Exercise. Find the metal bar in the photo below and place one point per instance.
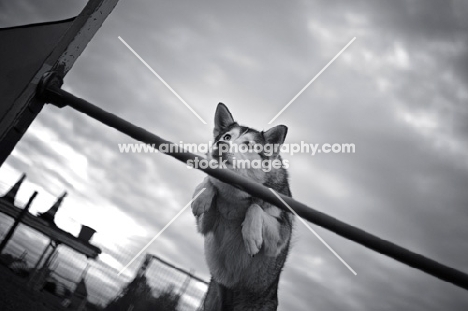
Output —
(61, 98)
(36, 266)
(35, 270)
(40, 274)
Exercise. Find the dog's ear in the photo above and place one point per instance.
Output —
(275, 136)
(223, 118)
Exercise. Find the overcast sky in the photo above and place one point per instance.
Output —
(399, 93)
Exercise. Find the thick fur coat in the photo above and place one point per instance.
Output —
(247, 240)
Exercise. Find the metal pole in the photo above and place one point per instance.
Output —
(18, 219)
(50, 92)
(36, 266)
(186, 283)
(39, 275)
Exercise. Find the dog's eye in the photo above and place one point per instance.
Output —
(227, 137)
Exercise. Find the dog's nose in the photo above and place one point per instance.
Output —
(220, 148)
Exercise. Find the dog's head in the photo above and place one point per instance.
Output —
(249, 152)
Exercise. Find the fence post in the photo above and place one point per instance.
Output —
(17, 221)
(36, 266)
(38, 275)
(186, 283)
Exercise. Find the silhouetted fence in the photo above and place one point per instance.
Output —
(161, 285)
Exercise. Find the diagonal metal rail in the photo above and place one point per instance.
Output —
(49, 91)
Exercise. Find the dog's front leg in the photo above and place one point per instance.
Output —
(202, 206)
(252, 229)
(269, 227)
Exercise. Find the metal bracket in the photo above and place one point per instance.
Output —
(47, 86)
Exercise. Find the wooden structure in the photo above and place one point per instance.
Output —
(33, 50)
(44, 224)
(54, 233)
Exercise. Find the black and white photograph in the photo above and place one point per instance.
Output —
(178, 155)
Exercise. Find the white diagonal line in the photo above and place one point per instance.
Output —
(313, 79)
(313, 231)
(160, 232)
(161, 79)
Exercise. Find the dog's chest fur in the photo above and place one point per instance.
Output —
(225, 252)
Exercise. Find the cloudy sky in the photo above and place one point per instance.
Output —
(398, 93)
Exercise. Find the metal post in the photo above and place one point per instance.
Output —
(36, 266)
(39, 274)
(185, 284)
(50, 256)
(17, 222)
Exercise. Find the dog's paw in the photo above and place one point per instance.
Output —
(252, 229)
(203, 202)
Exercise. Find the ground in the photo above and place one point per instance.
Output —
(15, 296)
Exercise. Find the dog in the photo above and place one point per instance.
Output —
(246, 239)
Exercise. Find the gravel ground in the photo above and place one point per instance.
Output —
(15, 296)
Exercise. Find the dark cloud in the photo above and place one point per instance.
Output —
(26, 12)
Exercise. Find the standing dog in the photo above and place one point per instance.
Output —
(247, 240)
